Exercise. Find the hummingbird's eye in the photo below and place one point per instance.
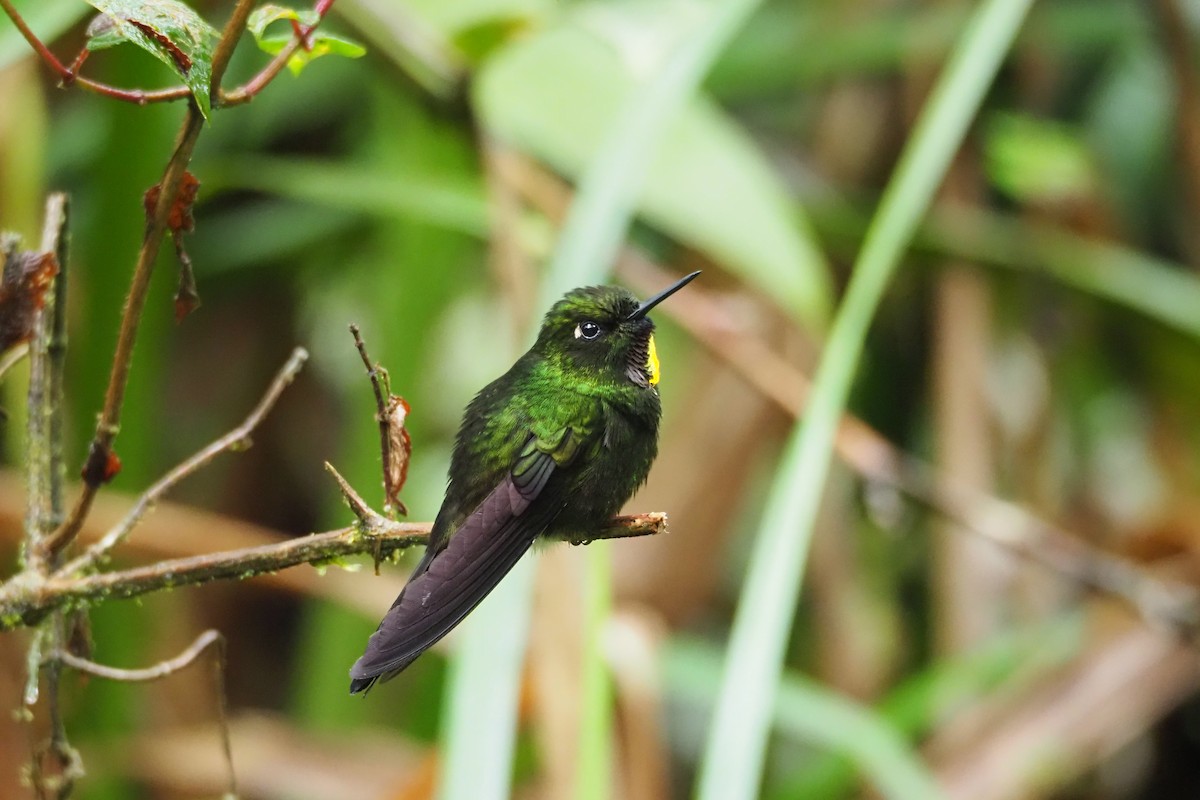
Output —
(587, 330)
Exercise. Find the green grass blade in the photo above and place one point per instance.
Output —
(485, 681)
(591, 238)
(807, 711)
(736, 748)
(1008, 662)
(482, 691)
(594, 775)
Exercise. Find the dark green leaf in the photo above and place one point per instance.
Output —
(167, 29)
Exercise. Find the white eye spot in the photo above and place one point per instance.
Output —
(587, 330)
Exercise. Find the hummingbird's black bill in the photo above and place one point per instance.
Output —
(645, 307)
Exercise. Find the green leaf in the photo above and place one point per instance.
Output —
(168, 30)
(320, 44)
(558, 96)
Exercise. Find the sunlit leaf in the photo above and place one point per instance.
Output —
(167, 29)
(319, 43)
(557, 95)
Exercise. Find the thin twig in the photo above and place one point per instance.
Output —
(44, 470)
(96, 470)
(35, 42)
(381, 404)
(25, 602)
(208, 639)
(160, 670)
(369, 519)
(246, 92)
(236, 439)
(228, 41)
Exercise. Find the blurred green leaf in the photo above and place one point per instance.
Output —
(434, 198)
(736, 748)
(167, 29)
(1037, 161)
(796, 48)
(557, 96)
(454, 19)
(1161, 290)
(49, 19)
(1011, 660)
(320, 43)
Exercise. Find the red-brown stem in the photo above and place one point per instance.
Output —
(69, 77)
(36, 43)
(243, 94)
(114, 397)
(131, 317)
(139, 97)
(246, 92)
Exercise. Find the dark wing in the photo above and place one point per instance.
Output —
(474, 559)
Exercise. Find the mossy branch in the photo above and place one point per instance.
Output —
(26, 601)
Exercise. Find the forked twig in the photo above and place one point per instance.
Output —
(236, 439)
(69, 75)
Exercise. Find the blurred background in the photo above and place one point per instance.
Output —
(1039, 345)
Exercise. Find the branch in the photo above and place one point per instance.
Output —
(238, 438)
(25, 603)
(97, 468)
(69, 76)
(47, 351)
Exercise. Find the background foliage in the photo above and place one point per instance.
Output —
(1038, 343)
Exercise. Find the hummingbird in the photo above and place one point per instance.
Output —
(552, 449)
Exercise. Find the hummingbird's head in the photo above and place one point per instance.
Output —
(604, 329)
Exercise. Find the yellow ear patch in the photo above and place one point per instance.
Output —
(652, 368)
